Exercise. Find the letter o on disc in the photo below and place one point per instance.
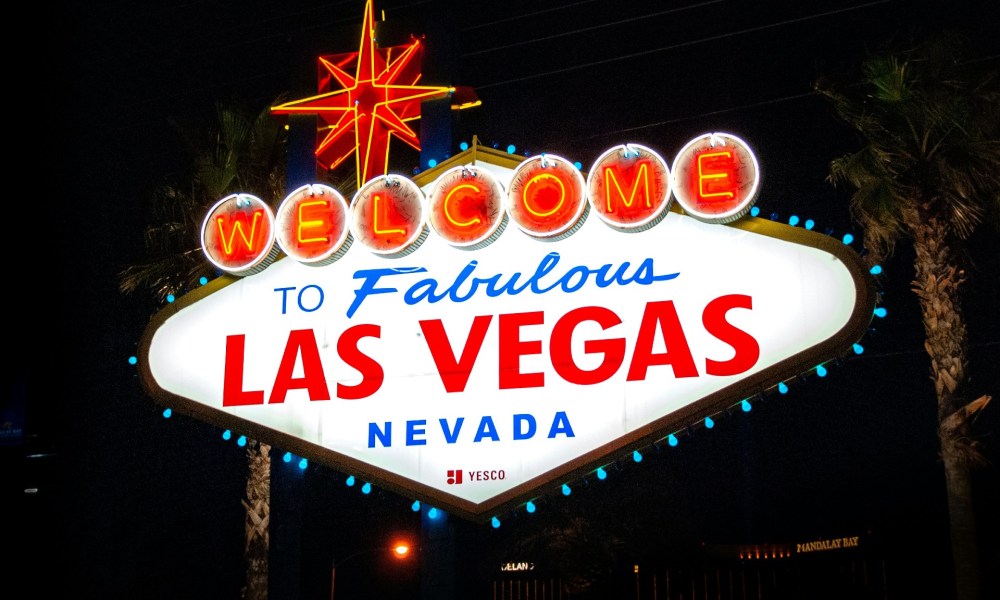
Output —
(547, 197)
(466, 207)
(387, 216)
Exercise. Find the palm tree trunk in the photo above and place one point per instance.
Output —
(258, 508)
(936, 284)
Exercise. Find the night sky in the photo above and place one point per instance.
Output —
(130, 504)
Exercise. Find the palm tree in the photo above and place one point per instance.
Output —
(245, 153)
(929, 172)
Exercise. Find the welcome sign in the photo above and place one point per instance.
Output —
(497, 326)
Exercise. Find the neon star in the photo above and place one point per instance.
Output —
(374, 103)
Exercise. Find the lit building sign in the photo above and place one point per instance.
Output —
(838, 543)
(414, 338)
(517, 566)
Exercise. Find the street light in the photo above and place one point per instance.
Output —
(399, 550)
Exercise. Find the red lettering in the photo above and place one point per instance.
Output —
(512, 349)
(372, 374)
(662, 316)
(301, 342)
(561, 350)
(233, 393)
(455, 373)
(746, 347)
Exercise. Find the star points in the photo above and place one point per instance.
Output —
(373, 94)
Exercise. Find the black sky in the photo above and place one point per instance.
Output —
(131, 504)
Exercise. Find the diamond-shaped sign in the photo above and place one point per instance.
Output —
(475, 377)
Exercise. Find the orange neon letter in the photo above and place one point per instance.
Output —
(238, 226)
(447, 213)
(375, 225)
(538, 179)
(310, 224)
(641, 175)
(715, 180)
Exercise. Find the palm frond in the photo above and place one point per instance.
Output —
(930, 126)
(245, 152)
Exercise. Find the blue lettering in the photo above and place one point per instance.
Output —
(567, 279)
(413, 429)
(560, 425)
(544, 268)
(423, 290)
(486, 429)
(384, 436)
(525, 425)
(465, 286)
(466, 272)
(451, 435)
(371, 277)
(319, 302)
(519, 422)
(510, 288)
(284, 298)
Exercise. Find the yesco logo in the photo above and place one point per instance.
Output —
(715, 178)
(455, 476)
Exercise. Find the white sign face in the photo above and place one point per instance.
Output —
(471, 380)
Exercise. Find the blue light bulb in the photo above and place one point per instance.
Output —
(415, 507)
(601, 473)
(287, 457)
(858, 348)
(566, 491)
(432, 163)
(793, 220)
(432, 513)
(755, 211)
(132, 360)
(876, 270)
(810, 224)
(821, 370)
(530, 506)
(350, 481)
(463, 146)
(782, 388)
(303, 463)
(709, 423)
(848, 238)
(745, 405)
(511, 149)
(636, 456)
(366, 488)
(672, 440)
(167, 412)
(880, 312)
(495, 522)
(227, 435)
(242, 441)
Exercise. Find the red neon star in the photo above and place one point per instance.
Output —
(374, 103)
